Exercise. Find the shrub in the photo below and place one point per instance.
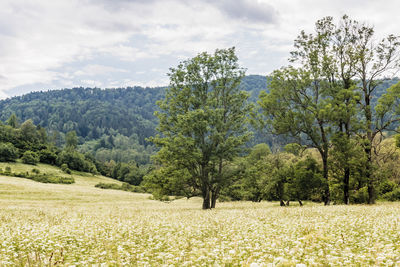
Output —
(393, 195)
(360, 196)
(124, 187)
(8, 169)
(76, 161)
(387, 186)
(8, 152)
(35, 171)
(64, 168)
(47, 156)
(30, 157)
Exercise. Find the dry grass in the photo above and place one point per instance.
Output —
(78, 224)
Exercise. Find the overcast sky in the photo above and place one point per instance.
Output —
(117, 43)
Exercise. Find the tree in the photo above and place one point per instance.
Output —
(8, 152)
(13, 121)
(28, 132)
(30, 157)
(71, 140)
(373, 62)
(305, 179)
(296, 106)
(331, 93)
(203, 122)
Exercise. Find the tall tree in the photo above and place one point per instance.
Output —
(202, 122)
(374, 62)
(296, 106)
(330, 94)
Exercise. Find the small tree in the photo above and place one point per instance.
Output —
(8, 152)
(30, 157)
(13, 121)
(71, 140)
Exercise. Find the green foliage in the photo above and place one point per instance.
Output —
(393, 195)
(30, 157)
(64, 168)
(36, 176)
(203, 121)
(48, 156)
(397, 138)
(75, 161)
(29, 132)
(13, 121)
(124, 187)
(7, 170)
(360, 196)
(294, 148)
(8, 152)
(129, 173)
(71, 140)
(334, 94)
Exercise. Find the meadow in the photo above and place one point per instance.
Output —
(78, 224)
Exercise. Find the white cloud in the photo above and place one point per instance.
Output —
(61, 43)
(95, 70)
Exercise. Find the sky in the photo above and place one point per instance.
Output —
(54, 44)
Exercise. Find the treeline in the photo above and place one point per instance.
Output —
(331, 101)
(30, 144)
(111, 124)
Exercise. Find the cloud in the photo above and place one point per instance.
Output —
(95, 70)
(252, 11)
(55, 44)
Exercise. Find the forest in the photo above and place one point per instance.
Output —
(323, 128)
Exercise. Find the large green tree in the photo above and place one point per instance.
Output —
(296, 106)
(203, 123)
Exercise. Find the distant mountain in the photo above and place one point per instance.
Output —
(125, 113)
(93, 112)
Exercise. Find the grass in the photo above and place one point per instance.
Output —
(78, 224)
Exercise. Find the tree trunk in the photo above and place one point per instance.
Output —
(327, 194)
(282, 203)
(301, 203)
(206, 199)
(368, 148)
(214, 197)
(346, 181)
(287, 203)
(368, 175)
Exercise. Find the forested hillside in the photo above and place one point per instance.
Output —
(93, 112)
(112, 124)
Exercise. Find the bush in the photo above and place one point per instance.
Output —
(76, 161)
(47, 156)
(64, 168)
(387, 186)
(8, 152)
(124, 187)
(39, 177)
(30, 157)
(360, 196)
(393, 195)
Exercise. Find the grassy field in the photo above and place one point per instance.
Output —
(78, 224)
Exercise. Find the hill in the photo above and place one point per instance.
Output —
(112, 124)
(92, 112)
